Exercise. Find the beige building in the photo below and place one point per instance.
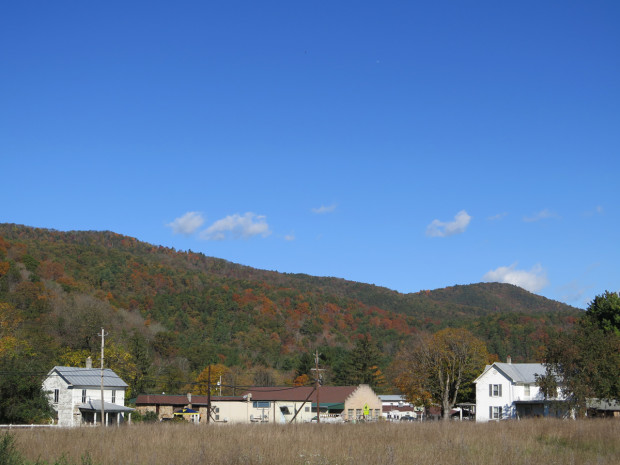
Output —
(273, 405)
(224, 409)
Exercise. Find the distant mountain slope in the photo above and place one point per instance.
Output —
(206, 310)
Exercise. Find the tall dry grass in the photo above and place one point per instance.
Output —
(518, 442)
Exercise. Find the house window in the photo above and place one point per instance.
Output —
(495, 390)
(350, 414)
(358, 412)
(495, 413)
(56, 395)
(261, 404)
(527, 390)
(83, 396)
(217, 417)
(377, 413)
(307, 409)
(113, 396)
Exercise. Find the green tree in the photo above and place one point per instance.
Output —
(585, 363)
(436, 367)
(22, 399)
(604, 312)
(139, 380)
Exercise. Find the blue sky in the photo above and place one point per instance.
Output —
(412, 145)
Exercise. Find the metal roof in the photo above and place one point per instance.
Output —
(89, 377)
(521, 372)
(95, 406)
(392, 398)
(517, 372)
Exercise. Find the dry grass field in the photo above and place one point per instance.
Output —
(517, 442)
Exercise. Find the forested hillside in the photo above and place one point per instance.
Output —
(171, 313)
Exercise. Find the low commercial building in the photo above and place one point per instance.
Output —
(273, 405)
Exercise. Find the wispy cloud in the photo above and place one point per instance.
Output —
(533, 280)
(187, 224)
(443, 229)
(598, 210)
(574, 293)
(497, 217)
(289, 237)
(541, 215)
(237, 227)
(324, 209)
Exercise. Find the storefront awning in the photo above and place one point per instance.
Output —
(330, 405)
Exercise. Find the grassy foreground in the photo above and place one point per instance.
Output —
(517, 442)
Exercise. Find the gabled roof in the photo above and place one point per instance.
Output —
(88, 377)
(517, 372)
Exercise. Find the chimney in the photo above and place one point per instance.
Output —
(508, 360)
(189, 400)
(89, 362)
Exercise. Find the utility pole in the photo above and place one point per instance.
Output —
(102, 335)
(209, 395)
(316, 388)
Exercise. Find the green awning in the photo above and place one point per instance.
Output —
(330, 405)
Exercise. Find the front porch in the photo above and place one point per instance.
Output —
(114, 414)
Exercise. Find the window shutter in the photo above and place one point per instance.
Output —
(490, 413)
(500, 390)
(500, 413)
(490, 390)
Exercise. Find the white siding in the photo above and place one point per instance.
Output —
(70, 398)
(484, 401)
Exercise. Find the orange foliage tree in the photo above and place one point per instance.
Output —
(437, 367)
(201, 385)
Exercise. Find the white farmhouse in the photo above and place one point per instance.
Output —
(75, 395)
(509, 390)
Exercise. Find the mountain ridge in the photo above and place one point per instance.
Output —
(200, 309)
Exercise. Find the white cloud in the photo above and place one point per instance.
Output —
(289, 237)
(442, 229)
(497, 217)
(541, 215)
(187, 224)
(573, 293)
(324, 209)
(598, 210)
(236, 227)
(533, 280)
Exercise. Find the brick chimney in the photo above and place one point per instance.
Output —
(89, 362)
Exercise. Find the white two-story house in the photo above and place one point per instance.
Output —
(509, 390)
(75, 395)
